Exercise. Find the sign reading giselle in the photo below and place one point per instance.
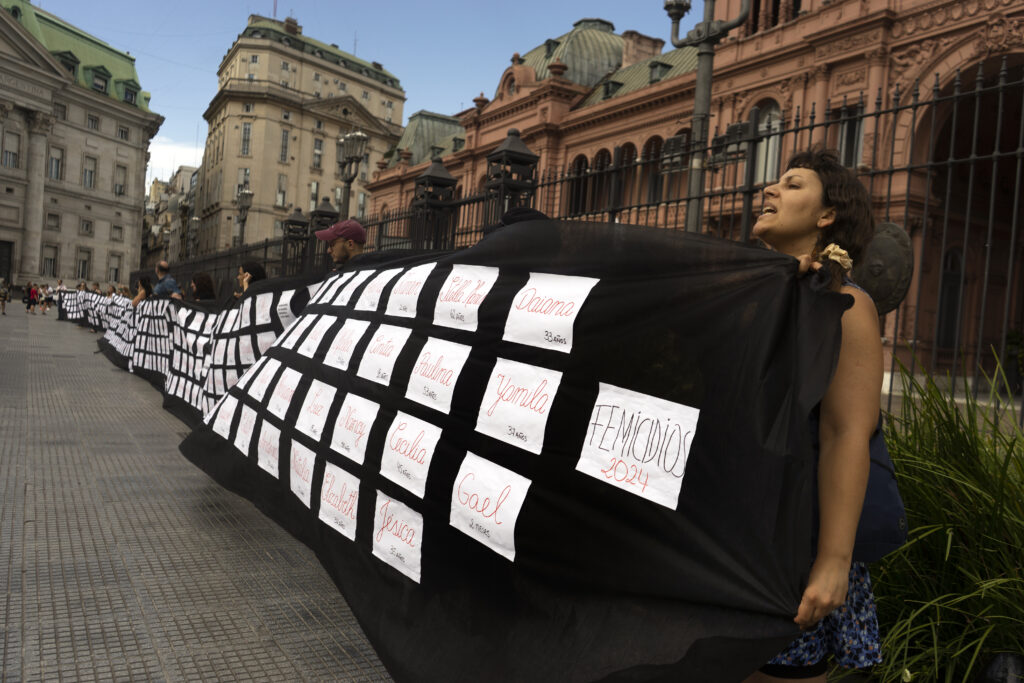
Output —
(639, 443)
(461, 295)
(544, 311)
(486, 500)
(516, 404)
(339, 500)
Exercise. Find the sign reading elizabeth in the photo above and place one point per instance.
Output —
(486, 501)
(397, 535)
(408, 449)
(405, 295)
(379, 358)
(352, 427)
(516, 404)
(639, 443)
(461, 296)
(435, 373)
(544, 311)
(339, 500)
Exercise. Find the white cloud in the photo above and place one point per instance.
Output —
(166, 155)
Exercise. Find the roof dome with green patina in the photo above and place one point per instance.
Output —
(591, 50)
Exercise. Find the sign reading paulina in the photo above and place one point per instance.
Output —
(639, 443)
(544, 311)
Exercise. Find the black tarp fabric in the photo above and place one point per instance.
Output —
(572, 452)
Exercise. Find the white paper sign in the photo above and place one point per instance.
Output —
(284, 308)
(379, 358)
(313, 415)
(353, 427)
(244, 318)
(292, 337)
(251, 372)
(339, 500)
(264, 340)
(405, 295)
(284, 392)
(258, 385)
(316, 336)
(397, 535)
(486, 500)
(346, 294)
(435, 373)
(301, 477)
(329, 291)
(516, 404)
(339, 355)
(408, 449)
(268, 450)
(246, 427)
(219, 350)
(369, 300)
(263, 303)
(222, 424)
(461, 295)
(639, 443)
(544, 311)
(245, 352)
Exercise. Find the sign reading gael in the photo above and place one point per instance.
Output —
(573, 452)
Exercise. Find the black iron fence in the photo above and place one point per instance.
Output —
(943, 161)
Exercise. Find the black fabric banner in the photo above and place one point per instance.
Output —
(573, 452)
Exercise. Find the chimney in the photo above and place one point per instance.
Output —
(636, 47)
(292, 27)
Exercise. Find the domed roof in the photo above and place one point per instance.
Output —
(591, 50)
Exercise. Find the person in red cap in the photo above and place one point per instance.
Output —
(345, 239)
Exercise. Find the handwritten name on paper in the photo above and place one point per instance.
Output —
(222, 424)
(301, 472)
(339, 500)
(312, 341)
(251, 372)
(284, 392)
(259, 384)
(436, 372)
(284, 308)
(461, 295)
(408, 449)
(263, 305)
(369, 300)
(313, 414)
(326, 294)
(516, 403)
(397, 535)
(339, 355)
(268, 448)
(639, 443)
(245, 352)
(486, 501)
(544, 312)
(405, 295)
(291, 336)
(352, 427)
(346, 293)
(246, 427)
(264, 340)
(379, 358)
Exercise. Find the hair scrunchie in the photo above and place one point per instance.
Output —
(833, 252)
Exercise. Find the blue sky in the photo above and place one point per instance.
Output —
(444, 54)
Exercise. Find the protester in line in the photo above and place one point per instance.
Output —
(143, 292)
(96, 288)
(250, 272)
(202, 287)
(165, 285)
(31, 298)
(345, 240)
(45, 298)
(5, 294)
(817, 210)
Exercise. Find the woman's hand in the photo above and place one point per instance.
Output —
(244, 278)
(826, 590)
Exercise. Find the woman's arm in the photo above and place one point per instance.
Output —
(849, 413)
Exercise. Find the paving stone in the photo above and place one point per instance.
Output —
(119, 560)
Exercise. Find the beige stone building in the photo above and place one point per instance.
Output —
(282, 102)
(75, 128)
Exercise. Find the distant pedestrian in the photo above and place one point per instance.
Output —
(165, 284)
(45, 298)
(144, 291)
(31, 297)
(345, 240)
(5, 294)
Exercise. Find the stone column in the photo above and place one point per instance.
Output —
(876, 75)
(820, 102)
(40, 125)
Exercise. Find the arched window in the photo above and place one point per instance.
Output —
(949, 298)
(769, 127)
(578, 179)
(627, 174)
(650, 170)
(601, 186)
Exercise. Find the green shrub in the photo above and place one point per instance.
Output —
(953, 597)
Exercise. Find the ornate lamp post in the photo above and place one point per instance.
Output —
(433, 225)
(351, 149)
(511, 173)
(296, 234)
(244, 201)
(704, 36)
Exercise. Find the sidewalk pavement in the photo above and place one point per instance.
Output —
(120, 560)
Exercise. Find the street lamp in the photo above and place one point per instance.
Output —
(244, 200)
(705, 36)
(351, 149)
